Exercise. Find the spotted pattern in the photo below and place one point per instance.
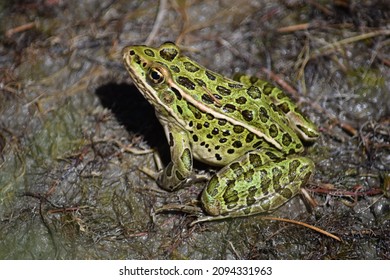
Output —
(263, 115)
(149, 52)
(248, 176)
(217, 96)
(237, 169)
(222, 140)
(247, 115)
(273, 130)
(222, 122)
(230, 196)
(254, 92)
(207, 99)
(175, 69)
(265, 182)
(234, 85)
(249, 137)
(197, 114)
(284, 107)
(280, 95)
(177, 93)
(229, 108)
(210, 76)
(276, 175)
(190, 67)
(286, 193)
(261, 175)
(168, 53)
(286, 139)
(241, 100)
(179, 109)
(237, 144)
(223, 91)
(255, 160)
(272, 156)
(137, 59)
(200, 82)
(250, 199)
(268, 88)
(257, 144)
(185, 82)
(238, 129)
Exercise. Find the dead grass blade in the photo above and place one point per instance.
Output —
(303, 224)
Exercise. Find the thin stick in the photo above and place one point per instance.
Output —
(292, 28)
(162, 8)
(303, 224)
(332, 46)
(20, 28)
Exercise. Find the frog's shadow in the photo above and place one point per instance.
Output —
(133, 111)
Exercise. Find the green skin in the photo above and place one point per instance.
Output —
(248, 127)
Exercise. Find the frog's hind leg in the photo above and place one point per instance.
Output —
(258, 182)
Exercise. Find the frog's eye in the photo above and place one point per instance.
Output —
(156, 76)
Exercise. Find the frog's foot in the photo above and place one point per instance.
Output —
(203, 218)
(150, 173)
(201, 176)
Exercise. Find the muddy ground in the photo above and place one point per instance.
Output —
(72, 123)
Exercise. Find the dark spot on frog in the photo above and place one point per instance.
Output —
(223, 91)
(179, 109)
(273, 130)
(175, 69)
(190, 67)
(249, 138)
(200, 82)
(254, 92)
(247, 115)
(229, 108)
(207, 99)
(237, 144)
(263, 114)
(238, 129)
(210, 76)
(241, 100)
(185, 82)
(171, 140)
(149, 52)
(168, 53)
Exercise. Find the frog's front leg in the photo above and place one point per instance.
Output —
(258, 182)
(179, 170)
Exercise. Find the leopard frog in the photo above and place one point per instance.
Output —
(247, 126)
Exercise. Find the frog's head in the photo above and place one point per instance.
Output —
(161, 75)
(149, 69)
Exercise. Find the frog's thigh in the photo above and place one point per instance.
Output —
(256, 190)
